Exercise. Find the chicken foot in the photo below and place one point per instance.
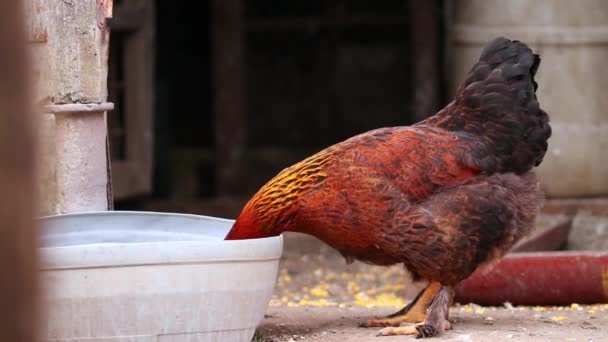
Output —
(414, 312)
(436, 321)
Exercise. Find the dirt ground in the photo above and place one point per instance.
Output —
(494, 324)
(318, 297)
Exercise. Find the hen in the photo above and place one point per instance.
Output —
(444, 196)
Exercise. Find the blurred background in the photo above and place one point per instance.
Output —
(191, 107)
(243, 88)
(212, 99)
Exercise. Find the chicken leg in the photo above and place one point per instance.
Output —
(414, 312)
(436, 321)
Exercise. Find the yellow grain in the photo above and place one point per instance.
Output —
(320, 290)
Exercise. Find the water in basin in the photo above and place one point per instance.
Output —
(126, 227)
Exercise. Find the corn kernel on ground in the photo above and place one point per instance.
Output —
(377, 287)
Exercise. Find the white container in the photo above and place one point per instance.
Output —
(141, 276)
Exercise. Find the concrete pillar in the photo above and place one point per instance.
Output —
(68, 43)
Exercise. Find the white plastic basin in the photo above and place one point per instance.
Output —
(142, 276)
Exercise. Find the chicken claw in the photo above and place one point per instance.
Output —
(420, 330)
(436, 321)
(392, 331)
(415, 312)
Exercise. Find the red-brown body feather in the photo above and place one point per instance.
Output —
(442, 197)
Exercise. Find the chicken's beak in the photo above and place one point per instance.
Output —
(239, 232)
(233, 234)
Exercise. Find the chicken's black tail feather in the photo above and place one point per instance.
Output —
(497, 103)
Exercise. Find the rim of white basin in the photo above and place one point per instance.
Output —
(213, 249)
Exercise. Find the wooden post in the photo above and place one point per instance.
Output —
(18, 297)
(229, 105)
(135, 20)
(425, 42)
